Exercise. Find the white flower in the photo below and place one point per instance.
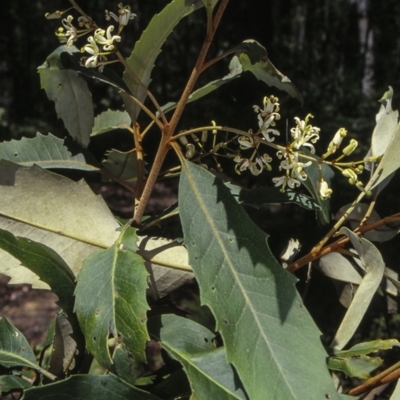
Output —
(324, 190)
(303, 134)
(286, 180)
(93, 49)
(246, 142)
(106, 42)
(69, 33)
(267, 117)
(336, 142)
(124, 15)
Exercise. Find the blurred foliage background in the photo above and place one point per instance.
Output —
(340, 54)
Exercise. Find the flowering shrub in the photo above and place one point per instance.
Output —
(254, 339)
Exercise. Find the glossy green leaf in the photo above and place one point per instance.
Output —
(14, 348)
(88, 387)
(110, 120)
(148, 47)
(259, 313)
(254, 58)
(46, 151)
(111, 300)
(374, 266)
(209, 374)
(71, 96)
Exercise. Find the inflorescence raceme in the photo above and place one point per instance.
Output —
(102, 43)
(295, 158)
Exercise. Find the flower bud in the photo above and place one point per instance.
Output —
(349, 173)
(190, 149)
(350, 147)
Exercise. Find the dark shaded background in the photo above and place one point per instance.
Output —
(341, 55)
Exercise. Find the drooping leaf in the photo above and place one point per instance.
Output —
(110, 120)
(46, 151)
(148, 47)
(386, 123)
(254, 58)
(259, 313)
(389, 163)
(71, 96)
(210, 376)
(51, 209)
(355, 366)
(336, 266)
(88, 387)
(371, 260)
(14, 348)
(121, 165)
(115, 304)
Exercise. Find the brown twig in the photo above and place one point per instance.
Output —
(385, 376)
(340, 242)
(169, 129)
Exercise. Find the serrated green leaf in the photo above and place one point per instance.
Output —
(46, 151)
(88, 387)
(148, 47)
(259, 313)
(110, 120)
(355, 366)
(371, 260)
(111, 299)
(254, 58)
(71, 96)
(121, 165)
(209, 374)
